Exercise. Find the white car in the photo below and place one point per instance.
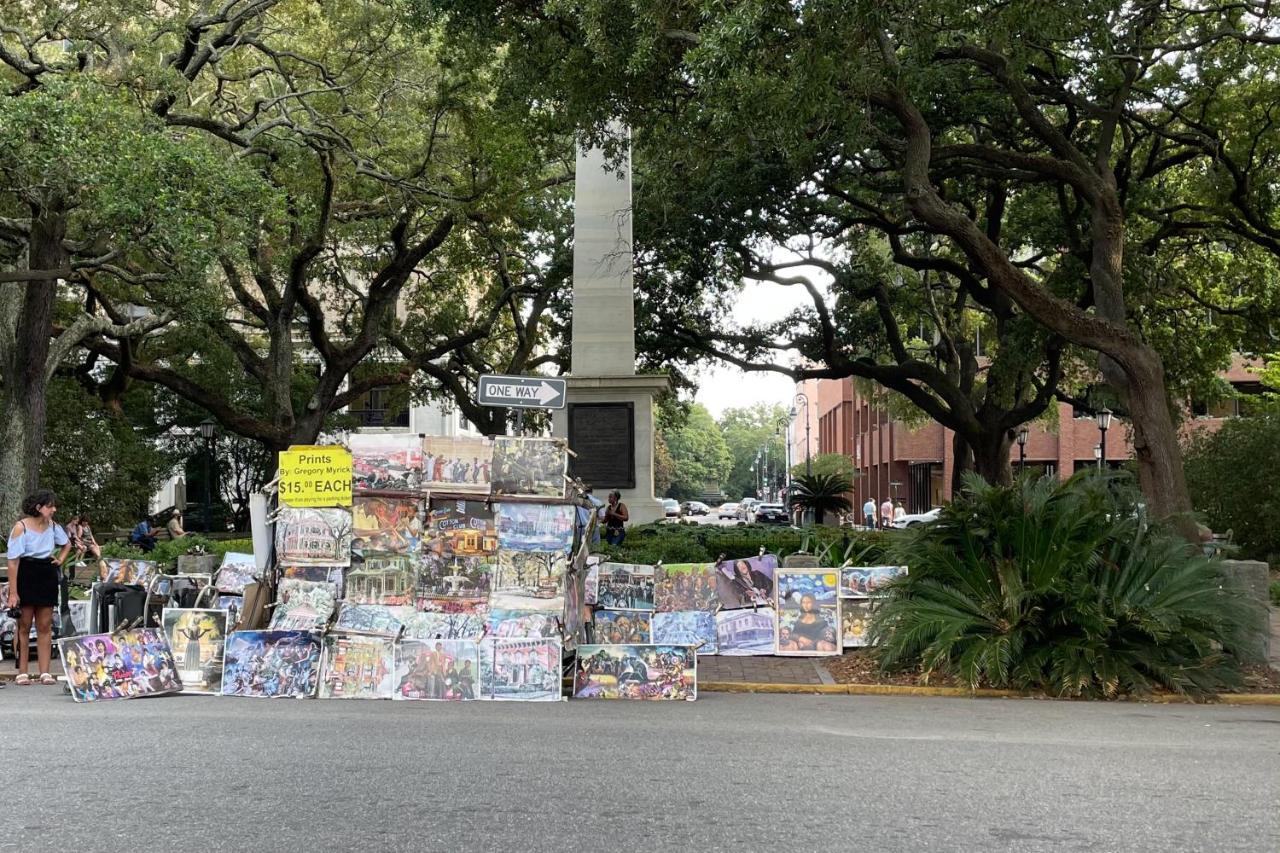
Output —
(747, 509)
(727, 511)
(671, 507)
(917, 518)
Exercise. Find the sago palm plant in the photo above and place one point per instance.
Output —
(821, 494)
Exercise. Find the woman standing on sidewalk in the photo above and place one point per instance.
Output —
(33, 579)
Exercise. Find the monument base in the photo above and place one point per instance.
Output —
(611, 453)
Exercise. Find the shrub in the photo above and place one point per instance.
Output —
(1231, 477)
(1061, 587)
(704, 543)
(167, 552)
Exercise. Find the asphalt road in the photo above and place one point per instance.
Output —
(728, 772)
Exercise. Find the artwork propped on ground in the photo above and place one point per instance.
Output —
(747, 582)
(505, 622)
(303, 605)
(686, 628)
(535, 527)
(196, 638)
(445, 626)
(520, 670)
(625, 586)
(457, 464)
(357, 668)
(865, 581)
(313, 537)
(271, 664)
(530, 467)
(443, 670)
(685, 586)
(636, 671)
(532, 580)
(390, 462)
(126, 571)
(855, 623)
(124, 665)
(373, 620)
(746, 632)
(808, 612)
(462, 528)
(621, 627)
(386, 525)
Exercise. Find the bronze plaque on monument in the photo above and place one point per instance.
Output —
(603, 437)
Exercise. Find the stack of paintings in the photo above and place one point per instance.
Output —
(357, 668)
(196, 638)
(271, 664)
(391, 462)
(124, 665)
(859, 586)
(442, 670)
(635, 672)
(808, 612)
(458, 464)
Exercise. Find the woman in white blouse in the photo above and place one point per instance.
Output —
(34, 574)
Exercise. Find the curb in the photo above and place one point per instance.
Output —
(962, 693)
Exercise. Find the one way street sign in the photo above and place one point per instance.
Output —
(522, 392)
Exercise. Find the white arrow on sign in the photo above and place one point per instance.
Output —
(547, 392)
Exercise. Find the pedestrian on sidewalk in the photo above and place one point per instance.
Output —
(869, 512)
(886, 514)
(616, 517)
(34, 579)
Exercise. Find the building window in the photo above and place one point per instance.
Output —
(381, 407)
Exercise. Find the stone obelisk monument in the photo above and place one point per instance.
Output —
(608, 418)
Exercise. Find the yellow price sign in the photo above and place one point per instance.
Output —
(315, 477)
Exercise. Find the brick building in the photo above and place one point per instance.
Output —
(915, 465)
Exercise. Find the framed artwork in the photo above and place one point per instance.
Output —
(865, 581)
(441, 670)
(313, 537)
(529, 467)
(685, 586)
(387, 461)
(695, 628)
(196, 638)
(124, 665)
(457, 464)
(808, 612)
(357, 668)
(750, 631)
(621, 627)
(747, 582)
(535, 527)
(635, 671)
(271, 664)
(524, 670)
(625, 586)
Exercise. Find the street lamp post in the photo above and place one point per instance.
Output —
(207, 427)
(1022, 449)
(1104, 424)
(808, 463)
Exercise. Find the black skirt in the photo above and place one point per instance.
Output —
(37, 582)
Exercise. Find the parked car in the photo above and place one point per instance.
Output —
(917, 518)
(694, 508)
(772, 514)
(747, 509)
(727, 511)
(671, 507)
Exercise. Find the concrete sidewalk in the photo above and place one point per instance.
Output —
(762, 670)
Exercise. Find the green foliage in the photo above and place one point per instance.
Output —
(699, 456)
(821, 494)
(1275, 593)
(704, 543)
(826, 463)
(168, 551)
(1231, 474)
(1061, 587)
(746, 431)
(100, 462)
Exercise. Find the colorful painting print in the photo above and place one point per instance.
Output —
(621, 627)
(236, 572)
(335, 575)
(271, 664)
(196, 638)
(685, 586)
(504, 622)
(635, 671)
(463, 528)
(746, 583)
(443, 670)
(357, 668)
(520, 670)
(456, 464)
(625, 586)
(303, 605)
(461, 579)
(445, 626)
(389, 579)
(374, 620)
(855, 623)
(746, 632)
(388, 461)
(531, 579)
(535, 527)
(231, 604)
(313, 537)
(386, 525)
(533, 467)
(686, 628)
(864, 581)
(808, 611)
(124, 665)
(126, 571)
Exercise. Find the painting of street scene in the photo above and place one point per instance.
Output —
(435, 625)
(271, 664)
(313, 537)
(462, 528)
(624, 586)
(864, 581)
(520, 670)
(635, 672)
(375, 620)
(533, 579)
(453, 578)
(303, 605)
(391, 462)
(196, 638)
(746, 632)
(442, 670)
(506, 622)
(389, 579)
(457, 463)
(532, 467)
(535, 527)
(356, 668)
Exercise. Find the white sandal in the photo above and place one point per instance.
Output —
(23, 680)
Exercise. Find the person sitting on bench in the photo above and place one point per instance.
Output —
(143, 537)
